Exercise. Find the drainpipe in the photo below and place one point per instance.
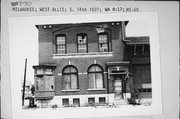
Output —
(123, 32)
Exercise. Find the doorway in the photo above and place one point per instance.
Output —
(118, 86)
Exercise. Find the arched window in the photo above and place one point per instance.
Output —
(82, 43)
(61, 44)
(103, 42)
(70, 77)
(95, 77)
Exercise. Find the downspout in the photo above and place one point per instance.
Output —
(123, 38)
(123, 32)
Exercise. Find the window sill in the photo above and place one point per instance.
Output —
(85, 55)
(95, 89)
(71, 90)
(37, 91)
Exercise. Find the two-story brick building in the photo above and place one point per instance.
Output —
(84, 64)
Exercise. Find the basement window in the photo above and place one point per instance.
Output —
(91, 101)
(102, 100)
(65, 102)
(76, 101)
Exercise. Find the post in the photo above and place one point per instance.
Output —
(24, 83)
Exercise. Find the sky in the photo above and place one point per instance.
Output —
(137, 28)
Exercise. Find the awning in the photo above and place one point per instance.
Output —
(118, 63)
(44, 98)
(45, 65)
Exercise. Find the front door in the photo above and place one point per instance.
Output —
(118, 86)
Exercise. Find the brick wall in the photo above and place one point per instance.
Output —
(47, 48)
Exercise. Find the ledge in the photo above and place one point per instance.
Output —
(85, 55)
(95, 89)
(39, 91)
(71, 90)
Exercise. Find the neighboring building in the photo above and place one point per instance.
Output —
(138, 53)
(89, 64)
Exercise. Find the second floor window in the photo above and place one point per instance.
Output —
(61, 44)
(82, 43)
(103, 42)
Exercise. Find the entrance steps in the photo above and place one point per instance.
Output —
(120, 102)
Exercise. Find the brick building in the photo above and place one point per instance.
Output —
(90, 64)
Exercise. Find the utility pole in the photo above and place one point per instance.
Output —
(24, 83)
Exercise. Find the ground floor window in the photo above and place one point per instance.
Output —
(45, 83)
(70, 78)
(95, 77)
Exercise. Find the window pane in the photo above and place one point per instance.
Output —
(65, 102)
(95, 69)
(103, 47)
(49, 82)
(82, 43)
(60, 40)
(103, 43)
(73, 81)
(73, 70)
(102, 100)
(60, 44)
(39, 71)
(91, 101)
(70, 70)
(76, 101)
(48, 71)
(66, 82)
(92, 83)
(103, 38)
(39, 83)
(99, 80)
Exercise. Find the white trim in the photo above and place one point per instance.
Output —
(80, 73)
(59, 74)
(83, 55)
(95, 89)
(71, 90)
(146, 85)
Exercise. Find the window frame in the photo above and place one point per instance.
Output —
(63, 102)
(41, 79)
(75, 103)
(103, 33)
(56, 45)
(102, 102)
(71, 73)
(80, 34)
(95, 72)
(91, 101)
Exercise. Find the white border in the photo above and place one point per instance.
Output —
(18, 112)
